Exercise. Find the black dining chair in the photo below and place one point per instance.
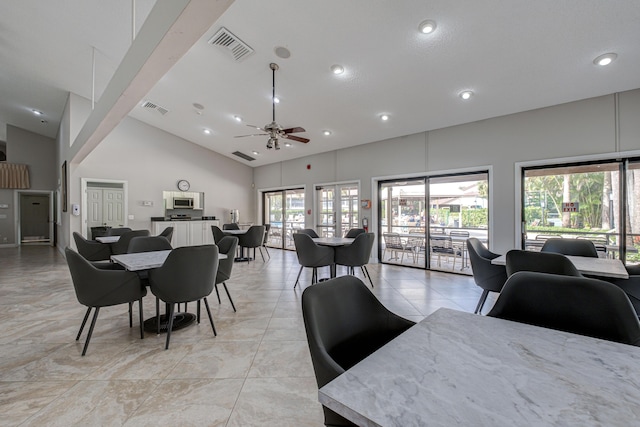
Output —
(354, 232)
(345, 323)
(252, 239)
(188, 274)
(356, 254)
(230, 226)
(92, 250)
(489, 277)
(167, 233)
(575, 247)
(96, 288)
(117, 231)
(267, 229)
(541, 262)
(579, 305)
(227, 245)
(312, 255)
(218, 234)
(309, 232)
(630, 286)
(122, 245)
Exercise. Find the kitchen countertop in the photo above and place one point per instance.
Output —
(163, 219)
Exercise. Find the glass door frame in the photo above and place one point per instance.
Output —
(285, 229)
(336, 228)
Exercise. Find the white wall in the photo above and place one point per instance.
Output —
(582, 128)
(152, 161)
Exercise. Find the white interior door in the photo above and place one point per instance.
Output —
(113, 207)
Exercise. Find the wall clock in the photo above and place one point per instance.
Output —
(183, 185)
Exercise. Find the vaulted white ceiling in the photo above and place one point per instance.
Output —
(514, 55)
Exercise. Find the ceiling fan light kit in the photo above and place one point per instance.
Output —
(273, 130)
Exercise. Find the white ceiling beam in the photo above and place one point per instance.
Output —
(171, 29)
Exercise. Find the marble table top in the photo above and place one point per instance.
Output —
(234, 232)
(107, 239)
(333, 241)
(457, 368)
(605, 267)
(146, 260)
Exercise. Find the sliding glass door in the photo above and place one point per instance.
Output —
(425, 222)
(284, 210)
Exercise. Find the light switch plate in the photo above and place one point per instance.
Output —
(4, 206)
(131, 217)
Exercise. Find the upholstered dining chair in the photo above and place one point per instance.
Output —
(167, 233)
(541, 262)
(353, 233)
(356, 254)
(218, 234)
(90, 249)
(267, 229)
(117, 231)
(96, 288)
(230, 226)
(309, 232)
(252, 239)
(489, 277)
(148, 244)
(227, 245)
(188, 274)
(630, 286)
(576, 247)
(579, 305)
(345, 323)
(122, 245)
(311, 255)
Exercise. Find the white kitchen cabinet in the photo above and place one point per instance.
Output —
(187, 233)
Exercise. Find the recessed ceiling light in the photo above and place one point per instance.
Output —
(466, 94)
(207, 131)
(287, 144)
(37, 113)
(337, 69)
(427, 26)
(326, 132)
(198, 106)
(605, 59)
(384, 117)
(255, 153)
(276, 100)
(282, 52)
(237, 118)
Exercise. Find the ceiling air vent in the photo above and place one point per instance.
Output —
(226, 39)
(243, 156)
(151, 106)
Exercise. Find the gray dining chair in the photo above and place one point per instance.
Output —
(488, 276)
(579, 305)
(311, 255)
(122, 245)
(167, 233)
(309, 232)
(354, 232)
(356, 254)
(227, 245)
(542, 262)
(96, 288)
(252, 239)
(117, 231)
(218, 234)
(267, 229)
(575, 247)
(188, 274)
(230, 226)
(92, 250)
(345, 323)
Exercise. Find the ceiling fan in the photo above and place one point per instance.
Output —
(273, 130)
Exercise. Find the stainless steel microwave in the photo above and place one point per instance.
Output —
(183, 203)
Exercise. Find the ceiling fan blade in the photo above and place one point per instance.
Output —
(296, 138)
(255, 134)
(294, 130)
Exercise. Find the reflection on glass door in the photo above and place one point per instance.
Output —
(425, 222)
(284, 210)
(330, 222)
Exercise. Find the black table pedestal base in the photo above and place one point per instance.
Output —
(180, 320)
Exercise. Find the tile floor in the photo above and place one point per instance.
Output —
(256, 372)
